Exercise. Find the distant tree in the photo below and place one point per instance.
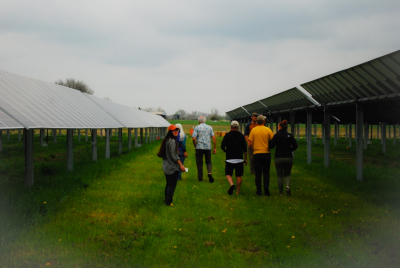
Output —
(182, 114)
(107, 98)
(214, 115)
(78, 85)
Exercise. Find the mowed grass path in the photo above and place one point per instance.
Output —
(111, 213)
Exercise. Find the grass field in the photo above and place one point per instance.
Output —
(111, 213)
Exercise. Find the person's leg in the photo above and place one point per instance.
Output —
(238, 184)
(170, 187)
(279, 166)
(239, 170)
(250, 155)
(287, 171)
(199, 163)
(258, 169)
(265, 170)
(207, 154)
(228, 175)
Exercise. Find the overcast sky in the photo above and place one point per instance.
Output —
(193, 55)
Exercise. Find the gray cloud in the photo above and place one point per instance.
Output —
(224, 53)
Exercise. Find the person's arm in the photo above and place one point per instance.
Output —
(181, 167)
(247, 133)
(294, 144)
(223, 144)
(272, 143)
(215, 144)
(250, 140)
(184, 147)
(245, 159)
(194, 142)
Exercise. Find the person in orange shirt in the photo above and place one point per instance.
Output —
(258, 140)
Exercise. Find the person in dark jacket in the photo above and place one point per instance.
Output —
(234, 145)
(171, 163)
(285, 144)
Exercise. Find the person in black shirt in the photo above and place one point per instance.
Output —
(234, 145)
(285, 144)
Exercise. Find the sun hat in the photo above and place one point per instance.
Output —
(235, 123)
(172, 127)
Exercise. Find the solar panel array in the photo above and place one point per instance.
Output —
(374, 84)
(34, 104)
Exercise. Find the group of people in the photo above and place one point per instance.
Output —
(256, 143)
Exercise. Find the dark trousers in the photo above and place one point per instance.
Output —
(170, 187)
(262, 163)
(199, 162)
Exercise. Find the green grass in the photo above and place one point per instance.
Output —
(110, 213)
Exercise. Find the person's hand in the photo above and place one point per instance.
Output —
(185, 154)
(182, 168)
(245, 162)
(214, 151)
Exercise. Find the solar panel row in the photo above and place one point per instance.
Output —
(32, 104)
(375, 84)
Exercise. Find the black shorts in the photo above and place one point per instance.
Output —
(239, 169)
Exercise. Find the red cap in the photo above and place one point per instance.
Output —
(172, 127)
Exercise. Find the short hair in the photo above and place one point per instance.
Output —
(202, 119)
(284, 124)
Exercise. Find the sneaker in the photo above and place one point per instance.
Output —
(230, 191)
(210, 178)
(258, 192)
(288, 192)
(267, 193)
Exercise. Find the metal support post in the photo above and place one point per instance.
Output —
(129, 138)
(70, 150)
(350, 134)
(327, 144)
(359, 153)
(136, 138)
(309, 144)
(120, 141)
(366, 135)
(336, 133)
(107, 156)
(94, 144)
(292, 123)
(384, 137)
(28, 138)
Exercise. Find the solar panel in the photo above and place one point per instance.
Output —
(256, 107)
(240, 112)
(161, 120)
(7, 123)
(35, 104)
(378, 77)
(130, 118)
(289, 99)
